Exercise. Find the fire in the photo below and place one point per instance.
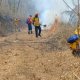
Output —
(55, 25)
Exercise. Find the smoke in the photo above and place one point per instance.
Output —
(46, 11)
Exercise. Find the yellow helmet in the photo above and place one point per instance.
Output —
(77, 31)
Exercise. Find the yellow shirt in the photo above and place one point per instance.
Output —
(76, 31)
(16, 22)
(36, 21)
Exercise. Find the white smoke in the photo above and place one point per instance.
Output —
(46, 10)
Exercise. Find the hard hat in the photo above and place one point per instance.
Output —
(36, 14)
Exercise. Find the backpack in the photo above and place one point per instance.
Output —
(28, 21)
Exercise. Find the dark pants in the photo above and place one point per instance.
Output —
(38, 31)
(29, 28)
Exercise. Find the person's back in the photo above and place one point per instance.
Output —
(36, 21)
(28, 21)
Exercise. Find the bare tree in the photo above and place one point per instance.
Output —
(0, 2)
(74, 13)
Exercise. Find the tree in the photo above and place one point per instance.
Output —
(74, 13)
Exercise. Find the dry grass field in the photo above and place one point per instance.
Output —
(24, 57)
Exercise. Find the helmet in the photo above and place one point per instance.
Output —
(36, 14)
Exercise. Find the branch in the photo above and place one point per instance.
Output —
(9, 4)
(67, 12)
(72, 19)
(73, 3)
(76, 76)
(18, 5)
(69, 6)
(0, 2)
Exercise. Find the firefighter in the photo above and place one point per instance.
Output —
(17, 27)
(29, 22)
(36, 23)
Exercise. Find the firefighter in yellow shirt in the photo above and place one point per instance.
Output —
(76, 44)
(17, 27)
(36, 23)
(77, 31)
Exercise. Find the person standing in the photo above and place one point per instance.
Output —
(36, 23)
(29, 22)
(17, 27)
